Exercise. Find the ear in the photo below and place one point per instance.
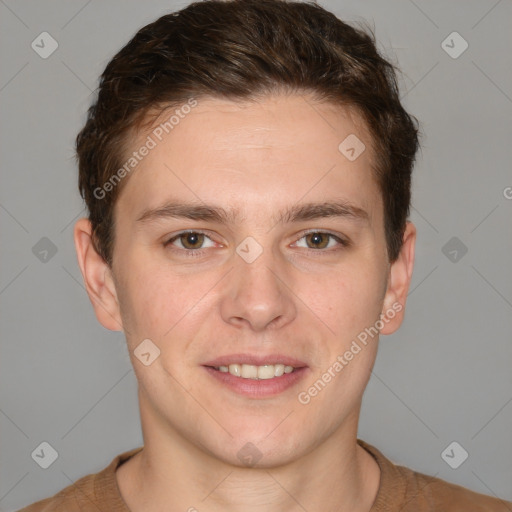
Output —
(399, 279)
(97, 277)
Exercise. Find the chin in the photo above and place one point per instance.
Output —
(264, 447)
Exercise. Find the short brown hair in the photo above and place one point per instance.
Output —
(240, 49)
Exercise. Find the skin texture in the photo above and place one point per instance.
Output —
(295, 299)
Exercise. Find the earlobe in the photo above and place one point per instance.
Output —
(399, 280)
(97, 277)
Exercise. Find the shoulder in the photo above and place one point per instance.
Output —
(425, 492)
(404, 489)
(66, 500)
(98, 491)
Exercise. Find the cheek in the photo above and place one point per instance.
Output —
(349, 302)
(162, 306)
(347, 299)
(150, 300)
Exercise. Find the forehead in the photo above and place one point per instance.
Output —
(274, 150)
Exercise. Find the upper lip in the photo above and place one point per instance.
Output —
(256, 360)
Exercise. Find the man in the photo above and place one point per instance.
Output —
(247, 169)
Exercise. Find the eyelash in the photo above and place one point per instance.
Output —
(194, 253)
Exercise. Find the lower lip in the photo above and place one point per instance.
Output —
(254, 388)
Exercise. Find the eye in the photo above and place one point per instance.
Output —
(193, 242)
(320, 240)
(190, 240)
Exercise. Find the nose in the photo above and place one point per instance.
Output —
(259, 295)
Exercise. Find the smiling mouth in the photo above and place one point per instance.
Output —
(249, 371)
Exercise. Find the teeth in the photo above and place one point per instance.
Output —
(278, 370)
(235, 369)
(266, 372)
(249, 371)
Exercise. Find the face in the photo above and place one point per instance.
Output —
(248, 242)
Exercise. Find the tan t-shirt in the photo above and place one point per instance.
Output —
(400, 490)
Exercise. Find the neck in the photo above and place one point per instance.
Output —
(338, 474)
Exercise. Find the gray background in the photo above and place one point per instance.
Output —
(445, 376)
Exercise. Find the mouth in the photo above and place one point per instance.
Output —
(251, 371)
(257, 376)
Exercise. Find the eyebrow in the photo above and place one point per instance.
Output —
(295, 213)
